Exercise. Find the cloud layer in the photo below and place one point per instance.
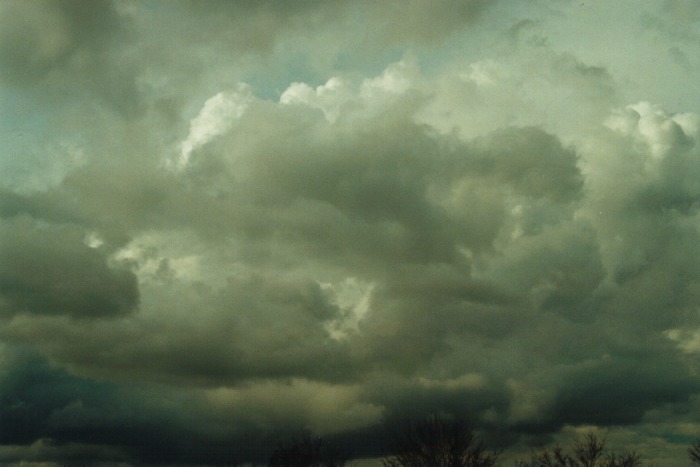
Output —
(224, 224)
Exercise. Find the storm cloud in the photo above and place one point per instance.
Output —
(224, 224)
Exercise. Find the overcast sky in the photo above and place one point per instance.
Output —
(224, 223)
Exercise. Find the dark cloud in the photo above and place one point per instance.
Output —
(47, 45)
(38, 37)
(50, 270)
(49, 415)
(33, 394)
(257, 25)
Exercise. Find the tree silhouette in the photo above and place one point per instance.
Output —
(436, 442)
(589, 452)
(306, 452)
(694, 453)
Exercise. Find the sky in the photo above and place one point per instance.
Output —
(229, 223)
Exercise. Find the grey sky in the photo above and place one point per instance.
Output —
(225, 223)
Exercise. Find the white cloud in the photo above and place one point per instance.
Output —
(353, 299)
(650, 125)
(218, 114)
(397, 78)
(329, 97)
(686, 340)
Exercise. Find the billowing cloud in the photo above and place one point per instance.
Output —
(224, 224)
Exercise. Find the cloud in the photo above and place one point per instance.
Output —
(50, 35)
(418, 21)
(218, 113)
(47, 45)
(50, 270)
(315, 218)
(368, 243)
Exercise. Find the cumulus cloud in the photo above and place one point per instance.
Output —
(271, 232)
(218, 113)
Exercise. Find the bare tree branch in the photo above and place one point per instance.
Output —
(436, 442)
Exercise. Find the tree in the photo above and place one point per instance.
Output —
(306, 452)
(694, 453)
(437, 442)
(589, 452)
